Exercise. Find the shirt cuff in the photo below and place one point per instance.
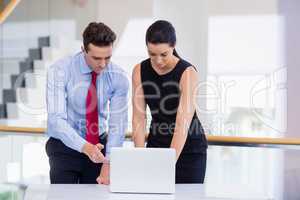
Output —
(79, 146)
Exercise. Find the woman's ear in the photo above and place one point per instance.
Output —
(173, 49)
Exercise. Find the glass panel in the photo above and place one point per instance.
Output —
(247, 76)
(263, 170)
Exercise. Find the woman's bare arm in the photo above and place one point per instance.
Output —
(186, 109)
(139, 109)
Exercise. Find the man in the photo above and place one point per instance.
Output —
(85, 92)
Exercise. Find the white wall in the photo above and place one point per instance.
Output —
(116, 14)
(190, 21)
(45, 10)
(242, 7)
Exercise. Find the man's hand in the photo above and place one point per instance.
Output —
(94, 152)
(103, 178)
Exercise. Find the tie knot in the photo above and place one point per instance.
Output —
(94, 76)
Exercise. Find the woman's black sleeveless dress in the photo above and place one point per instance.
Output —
(162, 95)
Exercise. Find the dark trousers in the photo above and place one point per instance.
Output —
(191, 167)
(68, 166)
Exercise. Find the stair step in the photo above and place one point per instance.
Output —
(36, 79)
(30, 80)
(30, 104)
(25, 112)
(1, 96)
(42, 65)
(9, 95)
(12, 110)
(26, 66)
(3, 113)
(17, 81)
(49, 53)
(5, 81)
(16, 44)
(35, 54)
(25, 105)
(10, 66)
(32, 97)
(53, 54)
(22, 95)
(44, 41)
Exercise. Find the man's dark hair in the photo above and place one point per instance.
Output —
(98, 34)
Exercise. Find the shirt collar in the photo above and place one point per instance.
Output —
(84, 68)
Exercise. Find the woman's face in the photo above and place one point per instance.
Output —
(160, 54)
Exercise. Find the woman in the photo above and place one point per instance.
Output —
(167, 84)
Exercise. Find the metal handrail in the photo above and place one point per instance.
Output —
(8, 10)
(210, 138)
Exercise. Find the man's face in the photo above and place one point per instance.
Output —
(98, 57)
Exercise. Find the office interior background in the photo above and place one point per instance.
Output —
(246, 52)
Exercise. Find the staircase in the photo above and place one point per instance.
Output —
(22, 99)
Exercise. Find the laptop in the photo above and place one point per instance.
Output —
(142, 170)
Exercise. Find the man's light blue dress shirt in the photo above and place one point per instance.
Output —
(68, 81)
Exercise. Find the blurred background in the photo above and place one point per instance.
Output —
(246, 52)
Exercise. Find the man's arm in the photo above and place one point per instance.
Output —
(118, 113)
(58, 127)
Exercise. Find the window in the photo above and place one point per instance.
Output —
(246, 76)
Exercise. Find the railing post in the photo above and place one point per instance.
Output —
(7, 10)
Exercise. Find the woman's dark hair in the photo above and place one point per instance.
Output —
(162, 31)
(98, 34)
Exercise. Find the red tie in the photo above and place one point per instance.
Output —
(92, 126)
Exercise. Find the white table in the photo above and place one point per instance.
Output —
(101, 192)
